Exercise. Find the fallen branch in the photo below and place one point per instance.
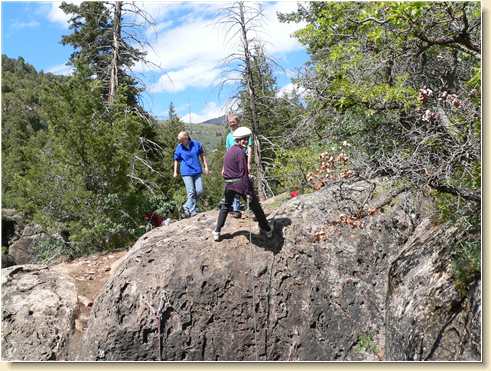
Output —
(461, 192)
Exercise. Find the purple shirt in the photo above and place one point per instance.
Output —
(235, 167)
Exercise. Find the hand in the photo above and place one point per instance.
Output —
(207, 172)
(175, 175)
(222, 172)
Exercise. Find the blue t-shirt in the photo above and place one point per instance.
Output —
(188, 158)
(230, 141)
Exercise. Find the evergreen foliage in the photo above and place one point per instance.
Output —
(92, 32)
(23, 120)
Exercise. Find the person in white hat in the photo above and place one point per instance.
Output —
(233, 124)
(237, 182)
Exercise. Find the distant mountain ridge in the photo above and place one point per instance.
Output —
(215, 121)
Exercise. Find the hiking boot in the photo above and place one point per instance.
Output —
(267, 234)
(236, 214)
(185, 213)
(216, 235)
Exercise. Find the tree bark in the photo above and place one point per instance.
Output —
(113, 86)
(252, 103)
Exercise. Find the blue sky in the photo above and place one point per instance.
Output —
(185, 45)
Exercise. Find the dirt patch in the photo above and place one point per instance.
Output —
(90, 273)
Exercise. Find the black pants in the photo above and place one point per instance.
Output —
(253, 204)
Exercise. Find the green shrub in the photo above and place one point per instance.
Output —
(291, 166)
(45, 250)
(466, 252)
(365, 343)
(466, 264)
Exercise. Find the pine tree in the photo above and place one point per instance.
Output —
(172, 116)
(98, 41)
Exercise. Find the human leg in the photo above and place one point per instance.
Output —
(224, 209)
(190, 204)
(259, 213)
(198, 191)
(236, 208)
(236, 203)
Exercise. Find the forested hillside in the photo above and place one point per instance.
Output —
(391, 89)
(368, 168)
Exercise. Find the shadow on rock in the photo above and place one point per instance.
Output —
(275, 244)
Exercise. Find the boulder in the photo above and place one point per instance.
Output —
(23, 250)
(39, 307)
(427, 318)
(328, 286)
(12, 226)
(7, 260)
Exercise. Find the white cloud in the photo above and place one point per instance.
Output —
(288, 89)
(61, 69)
(56, 15)
(211, 110)
(154, 30)
(278, 37)
(199, 75)
(193, 42)
(157, 9)
(192, 52)
(188, 45)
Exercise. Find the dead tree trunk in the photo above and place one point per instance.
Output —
(113, 86)
(260, 178)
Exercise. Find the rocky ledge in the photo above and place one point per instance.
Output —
(354, 272)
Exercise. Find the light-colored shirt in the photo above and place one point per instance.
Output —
(230, 141)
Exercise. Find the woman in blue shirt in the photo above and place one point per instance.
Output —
(187, 155)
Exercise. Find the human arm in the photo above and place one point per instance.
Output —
(242, 163)
(205, 162)
(177, 158)
(176, 165)
(249, 159)
(202, 156)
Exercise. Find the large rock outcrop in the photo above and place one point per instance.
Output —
(22, 239)
(22, 249)
(427, 319)
(39, 306)
(12, 226)
(341, 280)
